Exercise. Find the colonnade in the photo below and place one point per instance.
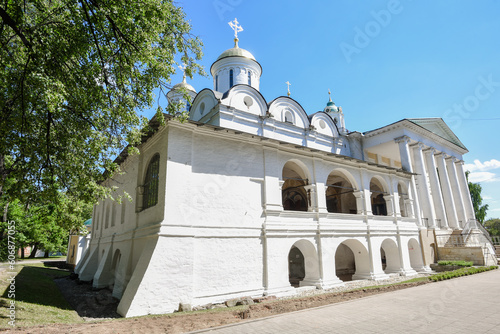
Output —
(439, 185)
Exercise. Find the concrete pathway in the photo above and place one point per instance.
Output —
(469, 304)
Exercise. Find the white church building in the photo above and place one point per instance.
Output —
(252, 198)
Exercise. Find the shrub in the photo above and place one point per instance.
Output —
(456, 263)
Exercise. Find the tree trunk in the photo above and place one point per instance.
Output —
(46, 254)
(22, 252)
(33, 251)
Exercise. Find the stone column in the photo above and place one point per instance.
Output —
(457, 191)
(423, 185)
(449, 202)
(360, 207)
(469, 208)
(437, 196)
(404, 152)
(321, 197)
(272, 175)
(389, 204)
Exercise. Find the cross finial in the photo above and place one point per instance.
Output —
(288, 87)
(237, 28)
(183, 69)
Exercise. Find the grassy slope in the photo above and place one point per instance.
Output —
(38, 300)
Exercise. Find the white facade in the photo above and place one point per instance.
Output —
(256, 198)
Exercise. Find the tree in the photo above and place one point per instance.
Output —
(493, 226)
(477, 201)
(74, 75)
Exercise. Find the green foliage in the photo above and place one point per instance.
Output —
(74, 75)
(493, 226)
(460, 272)
(477, 201)
(456, 263)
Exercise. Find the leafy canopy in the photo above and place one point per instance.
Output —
(475, 190)
(74, 75)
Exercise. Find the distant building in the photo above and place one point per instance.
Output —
(77, 243)
(251, 197)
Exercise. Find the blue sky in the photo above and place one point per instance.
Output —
(382, 60)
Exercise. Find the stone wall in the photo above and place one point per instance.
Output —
(474, 254)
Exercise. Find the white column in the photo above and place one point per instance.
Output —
(423, 186)
(272, 175)
(404, 153)
(449, 201)
(360, 207)
(321, 193)
(437, 196)
(457, 192)
(469, 208)
(389, 204)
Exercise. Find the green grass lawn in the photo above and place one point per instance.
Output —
(37, 298)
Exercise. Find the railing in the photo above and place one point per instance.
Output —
(496, 240)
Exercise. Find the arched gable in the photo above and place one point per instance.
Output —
(283, 107)
(246, 98)
(323, 123)
(204, 101)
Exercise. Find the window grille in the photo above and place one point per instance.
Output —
(151, 183)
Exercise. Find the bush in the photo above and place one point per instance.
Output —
(460, 272)
(456, 263)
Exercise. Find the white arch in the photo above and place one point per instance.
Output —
(247, 98)
(416, 261)
(311, 263)
(277, 106)
(361, 258)
(327, 128)
(393, 260)
(203, 103)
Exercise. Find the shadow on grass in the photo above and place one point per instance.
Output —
(36, 285)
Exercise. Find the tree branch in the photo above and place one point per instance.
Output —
(11, 23)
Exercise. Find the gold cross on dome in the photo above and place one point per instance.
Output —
(237, 28)
(288, 87)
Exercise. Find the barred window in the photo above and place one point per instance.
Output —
(151, 183)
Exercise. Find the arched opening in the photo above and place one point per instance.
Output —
(379, 207)
(151, 183)
(403, 196)
(288, 117)
(106, 217)
(296, 267)
(415, 253)
(351, 261)
(249, 78)
(389, 253)
(294, 195)
(303, 267)
(340, 194)
(231, 79)
(115, 264)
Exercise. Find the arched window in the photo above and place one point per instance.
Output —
(151, 183)
(249, 78)
(217, 82)
(288, 117)
(230, 78)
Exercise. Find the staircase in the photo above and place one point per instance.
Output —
(473, 243)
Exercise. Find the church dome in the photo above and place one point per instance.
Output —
(184, 85)
(331, 107)
(236, 52)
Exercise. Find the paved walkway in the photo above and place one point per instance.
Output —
(469, 304)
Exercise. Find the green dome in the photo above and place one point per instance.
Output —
(329, 104)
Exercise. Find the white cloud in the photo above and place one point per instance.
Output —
(486, 197)
(476, 177)
(479, 166)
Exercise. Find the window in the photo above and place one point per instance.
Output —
(230, 78)
(217, 82)
(288, 117)
(249, 78)
(151, 183)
